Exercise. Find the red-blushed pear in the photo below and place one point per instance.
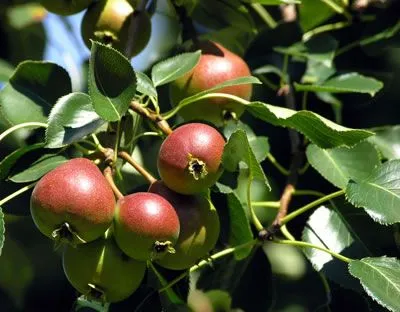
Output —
(73, 203)
(199, 227)
(100, 270)
(110, 22)
(217, 64)
(189, 160)
(146, 226)
(65, 7)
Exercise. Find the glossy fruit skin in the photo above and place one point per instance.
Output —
(186, 144)
(77, 193)
(108, 21)
(118, 276)
(200, 227)
(65, 7)
(217, 64)
(142, 219)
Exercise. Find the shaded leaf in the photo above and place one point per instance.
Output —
(387, 141)
(32, 91)
(145, 85)
(351, 82)
(174, 67)
(240, 231)
(380, 277)
(313, 13)
(9, 161)
(237, 150)
(328, 228)
(39, 168)
(112, 82)
(2, 230)
(317, 129)
(339, 164)
(72, 118)
(379, 193)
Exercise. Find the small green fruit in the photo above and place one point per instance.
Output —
(199, 227)
(110, 22)
(146, 226)
(65, 7)
(73, 203)
(100, 270)
(217, 64)
(189, 160)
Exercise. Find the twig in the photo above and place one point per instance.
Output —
(161, 123)
(108, 174)
(138, 167)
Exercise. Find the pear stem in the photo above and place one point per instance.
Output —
(147, 175)
(109, 177)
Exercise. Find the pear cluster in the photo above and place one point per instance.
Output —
(107, 241)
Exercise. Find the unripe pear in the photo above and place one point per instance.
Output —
(65, 7)
(199, 227)
(110, 22)
(100, 270)
(189, 160)
(73, 203)
(217, 64)
(146, 226)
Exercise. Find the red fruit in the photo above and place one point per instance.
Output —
(189, 160)
(146, 226)
(199, 227)
(217, 64)
(100, 270)
(73, 203)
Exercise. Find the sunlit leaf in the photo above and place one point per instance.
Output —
(387, 140)
(379, 193)
(339, 164)
(174, 67)
(380, 277)
(317, 129)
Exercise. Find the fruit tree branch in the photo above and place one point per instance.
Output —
(108, 174)
(138, 167)
(154, 117)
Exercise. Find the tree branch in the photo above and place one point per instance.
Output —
(161, 123)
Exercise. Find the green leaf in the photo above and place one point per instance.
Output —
(320, 49)
(189, 5)
(228, 83)
(23, 15)
(240, 231)
(338, 165)
(379, 194)
(380, 277)
(174, 67)
(39, 168)
(112, 82)
(351, 82)
(329, 228)
(32, 91)
(2, 230)
(274, 2)
(145, 85)
(313, 13)
(9, 161)
(6, 70)
(317, 129)
(72, 118)
(237, 150)
(387, 141)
